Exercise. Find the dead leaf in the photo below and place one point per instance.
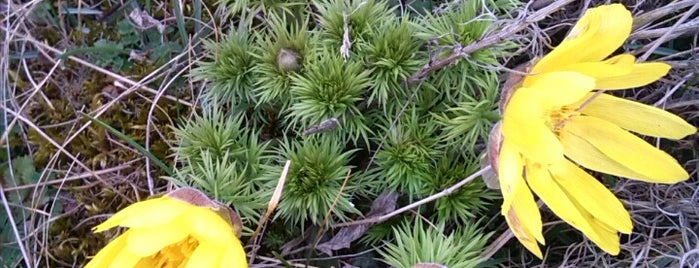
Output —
(143, 20)
(384, 203)
(491, 158)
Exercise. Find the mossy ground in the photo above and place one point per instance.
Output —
(80, 172)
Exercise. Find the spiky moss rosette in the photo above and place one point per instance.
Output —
(320, 166)
(465, 204)
(404, 161)
(414, 242)
(282, 51)
(391, 62)
(361, 18)
(331, 88)
(360, 86)
(463, 24)
(229, 70)
(224, 158)
(465, 123)
(234, 7)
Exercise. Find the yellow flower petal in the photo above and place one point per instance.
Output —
(604, 236)
(598, 70)
(206, 255)
(510, 168)
(555, 89)
(518, 200)
(599, 32)
(234, 256)
(541, 182)
(145, 213)
(609, 239)
(627, 149)
(592, 196)
(622, 60)
(577, 216)
(524, 126)
(637, 117)
(585, 154)
(641, 74)
(522, 234)
(124, 258)
(519, 197)
(146, 241)
(106, 256)
(523, 204)
(207, 226)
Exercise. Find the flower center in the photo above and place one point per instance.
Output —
(558, 118)
(175, 255)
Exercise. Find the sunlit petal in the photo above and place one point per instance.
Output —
(519, 197)
(637, 117)
(210, 227)
(597, 34)
(591, 195)
(145, 213)
(555, 89)
(550, 192)
(525, 205)
(585, 154)
(604, 236)
(146, 241)
(602, 69)
(641, 74)
(124, 258)
(615, 142)
(106, 256)
(234, 256)
(524, 127)
(510, 168)
(206, 255)
(525, 237)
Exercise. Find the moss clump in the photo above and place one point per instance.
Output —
(327, 86)
(74, 89)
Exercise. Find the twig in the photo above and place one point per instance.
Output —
(677, 86)
(426, 200)
(489, 40)
(667, 34)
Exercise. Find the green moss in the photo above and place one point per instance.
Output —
(76, 89)
(337, 68)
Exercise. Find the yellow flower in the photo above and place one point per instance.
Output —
(554, 122)
(181, 229)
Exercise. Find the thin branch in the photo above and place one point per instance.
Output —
(426, 200)
(487, 41)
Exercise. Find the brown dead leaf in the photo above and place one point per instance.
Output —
(384, 203)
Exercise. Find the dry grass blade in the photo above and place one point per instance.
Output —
(667, 35)
(271, 206)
